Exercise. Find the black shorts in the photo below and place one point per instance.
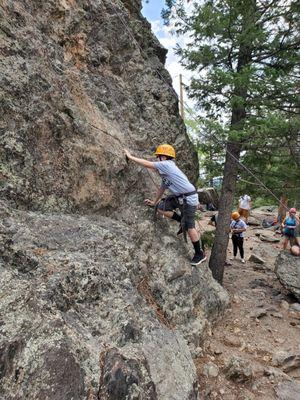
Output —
(188, 212)
(289, 232)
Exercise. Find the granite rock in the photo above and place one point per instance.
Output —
(287, 269)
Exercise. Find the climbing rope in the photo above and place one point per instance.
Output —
(195, 116)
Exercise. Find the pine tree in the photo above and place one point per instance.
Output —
(245, 58)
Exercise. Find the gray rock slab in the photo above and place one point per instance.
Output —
(269, 238)
(295, 307)
(287, 361)
(80, 288)
(253, 221)
(208, 195)
(256, 259)
(259, 313)
(287, 269)
(171, 367)
(288, 390)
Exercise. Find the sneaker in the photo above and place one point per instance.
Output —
(180, 230)
(198, 259)
(243, 260)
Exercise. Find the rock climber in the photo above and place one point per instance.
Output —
(244, 207)
(237, 228)
(184, 198)
(289, 225)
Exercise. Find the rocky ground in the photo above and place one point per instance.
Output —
(254, 351)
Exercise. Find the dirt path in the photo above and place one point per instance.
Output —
(254, 351)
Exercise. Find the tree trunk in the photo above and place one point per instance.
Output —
(282, 209)
(219, 250)
(238, 115)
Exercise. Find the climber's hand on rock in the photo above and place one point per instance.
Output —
(149, 202)
(127, 153)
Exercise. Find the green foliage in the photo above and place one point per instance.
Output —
(207, 239)
(198, 216)
(244, 55)
(261, 201)
(274, 157)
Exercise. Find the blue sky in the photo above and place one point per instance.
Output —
(152, 11)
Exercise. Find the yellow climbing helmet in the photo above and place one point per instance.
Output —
(165, 150)
(235, 215)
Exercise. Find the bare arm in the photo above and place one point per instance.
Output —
(159, 193)
(140, 161)
(238, 230)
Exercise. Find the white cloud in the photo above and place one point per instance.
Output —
(156, 27)
(169, 41)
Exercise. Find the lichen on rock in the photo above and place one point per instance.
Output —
(96, 300)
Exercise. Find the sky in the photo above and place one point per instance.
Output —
(152, 11)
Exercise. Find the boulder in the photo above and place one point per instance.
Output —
(259, 313)
(210, 370)
(253, 221)
(263, 211)
(209, 196)
(264, 237)
(238, 370)
(256, 259)
(288, 390)
(287, 361)
(287, 269)
(79, 289)
(295, 307)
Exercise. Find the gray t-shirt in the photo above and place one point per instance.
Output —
(175, 180)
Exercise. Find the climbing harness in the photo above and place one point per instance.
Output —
(182, 204)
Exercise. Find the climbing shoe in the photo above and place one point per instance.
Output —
(198, 259)
(180, 230)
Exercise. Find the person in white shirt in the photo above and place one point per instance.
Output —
(244, 207)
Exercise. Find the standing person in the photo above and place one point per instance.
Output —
(237, 228)
(244, 206)
(185, 195)
(289, 225)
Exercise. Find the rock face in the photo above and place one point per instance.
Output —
(80, 81)
(87, 307)
(288, 390)
(287, 269)
(96, 302)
